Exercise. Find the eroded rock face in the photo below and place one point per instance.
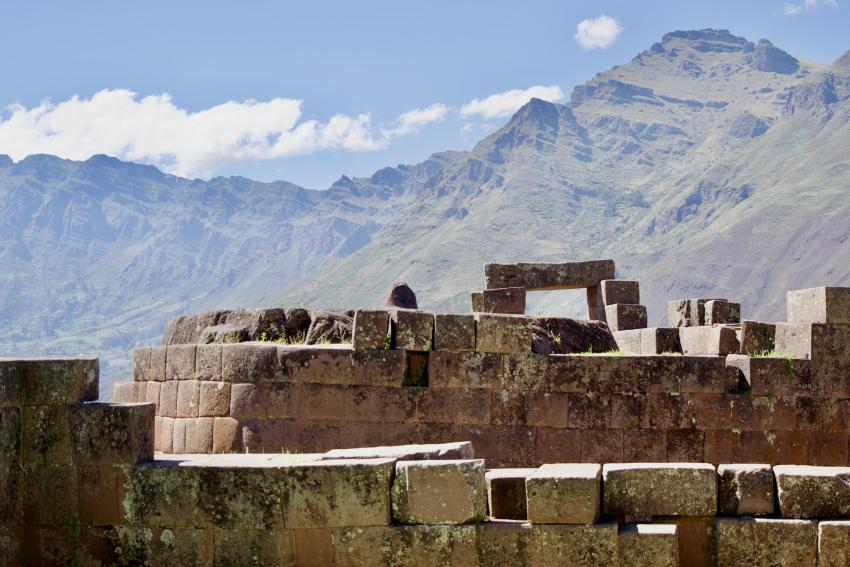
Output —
(330, 327)
(401, 295)
(567, 336)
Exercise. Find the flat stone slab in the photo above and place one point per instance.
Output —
(564, 494)
(649, 545)
(833, 544)
(435, 451)
(745, 490)
(506, 493)
(764, 542)
(639, 491)
(439, 492)
(813, 492)
(547, 276)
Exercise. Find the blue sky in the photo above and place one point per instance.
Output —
(171, 68)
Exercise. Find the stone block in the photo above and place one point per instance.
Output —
(129, 392)
(649, 545)
(508, 543)
(371, 329)
(510, 300)
(178, 437)
(214, 399)
(620, 291)
(142, 364)
(640, 491)
(813, 492)
(226, 435)
(629, 341)
(46, 435)
(757, 337)
(112, 433)
(745, 490)
(766, 542)
(564, 494)
(11, 544)
(412, 329)
(503, 333)
(100, 489)
(819, 305)
(439, 492)
(624, 316)
(717, 341)
(543, 276)
(48, 381)
(11, 495)
(815, 341)
(426, 452)
(506, 493)
(253, 547)
(208, 363)
(188, 398)
(454, 332)
(165, 440)
(548, 409)
(168, 399)
(199, 435)
(50, 495)
(10, 436)
(142, 545)
(249, 362)
(152, 393)
(776, 376)
(405, 546)
(585, 545)
(180, 362)
(158, 366)
(660, 340)
(833, 544)
(347, 492)
(722, 312)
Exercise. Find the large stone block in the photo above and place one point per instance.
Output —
(564, 494)
(722, 312)
(623, 316)
(585, 545)
(227, 435)
(180, 362)
(142, 364)
(412, 329)
(660, 340)
(50, 495)
(371, 329)
(208, 363)
(542, 276)
(503, 333)
(405, 546)
(334, 364)
(11, 495)
(168, 398)
(143, 545)
(763, 542)
(629, 341)
(717, 341)
(506, 493)
(640, 491)
(199, 435)
(253, 547)
(129, 392)
(454, 332)
(510, 300)
(439, 492)
(188, 398)
(426, 452)
(776, 376)
(833, 544)
(48, 381)
(100, 486)
(112, 433)
(815, 341)
(757, 337)
(10, 436)
(745, 490)
(560, 335)
(620, 291)
(649, 545)
(508, 543)
(249, 362)
(813, 492)
(214, 399)
(46, 435)
(819, 305)
(347, 492)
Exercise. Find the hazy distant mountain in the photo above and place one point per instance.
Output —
(707, 165)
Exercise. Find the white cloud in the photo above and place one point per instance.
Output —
(794, 8)
(597, 33)
(506, 103)
(152, 129)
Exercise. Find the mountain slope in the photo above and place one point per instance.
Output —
(707, 165)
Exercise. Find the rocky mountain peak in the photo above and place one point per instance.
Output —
(709, 40)
(842, 63)
(766, 57)
(6, 161)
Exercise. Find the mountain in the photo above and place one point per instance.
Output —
(706, 166)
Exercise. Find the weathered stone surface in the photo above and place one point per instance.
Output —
(508, 543)
(10, 436)
(224, 334)
(717, 341)
(371, 329)
(560, 335)
(141, 545)
(745, 490)
(503, 333)
(439, 492)
(815, 341)
(180, 362)
(405, 546)
(506, 493)
(253, 547)
(226, 435)
(649, 545)
(833, 544)
(623, 316)
(813, 492)
(128, 392)
(819, 305)
(329, 327)
(687, 312)
(401, 295)
(564, 494)
(542, 276)
(199, 435)
(99, 487)
(208, 363)
(660, 340)
(112, 433)
(48, 381)
(142, 364)
(510, 300)
(188, 329)
(168, 398)
(766, 542)
(214, 399)
(46, 435)
(412, 330)
(640, 491)
(11, 495)
(346, 492)
(188, 398)
(337, 364)
(776, 376)
(453, 332)
(50, 495)
(620, 291)
(757, 337)
(629, 341)
(273, 324)
(722, 312)
(250, 362)
(428, 452)
(585, 545)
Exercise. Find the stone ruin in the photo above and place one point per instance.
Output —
(491, 438)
